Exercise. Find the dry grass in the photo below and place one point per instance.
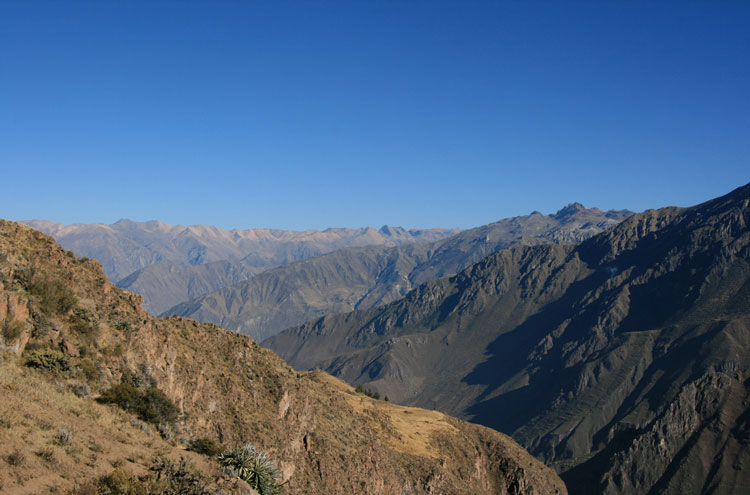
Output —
(103, 436)
(414, 428)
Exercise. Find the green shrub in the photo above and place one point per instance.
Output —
(366, 391)
(11, 330)
(253, 466)
(84, 322)
(205, 446)
(63, 438)
(166, 478)
(16, 458)
(54, 296)
(48, 359)
(150, 404)
(179, 477)
(88, 369)
(123, 326)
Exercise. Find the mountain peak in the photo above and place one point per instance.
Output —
(570, 209)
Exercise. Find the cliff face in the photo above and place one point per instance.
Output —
(325, 437)
(622, 361)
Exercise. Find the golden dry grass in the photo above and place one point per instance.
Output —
(414, 429)
(33, 409)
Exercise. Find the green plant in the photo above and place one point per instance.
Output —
(89, 369)
(11, 330)
(47, 455)
(204, 446)
(54, 295)
(150, 404)
(63, 438)
(81, 390)
(366, 391)
(252, 465)
(122, 326)
(179, 477)
(48, 359)
(166, 478)
(84, 322)
(16, 458)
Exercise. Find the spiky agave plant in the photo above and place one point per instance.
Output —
(252, 465)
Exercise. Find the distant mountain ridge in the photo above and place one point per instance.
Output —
(170, 264)
(621, 361)
(127, 246)
(358, 278)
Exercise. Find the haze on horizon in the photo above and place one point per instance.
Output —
(297, 115)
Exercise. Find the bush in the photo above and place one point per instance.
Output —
(179, 477)
(15, 458)
(150, 404)
(12, 330)
(366, 391)
(252, 466)
(123, 326)
(84, 323)
(63, 438)
(81, 390)
(166, 478)
(204, 446)
(54, 295)
(49, 360)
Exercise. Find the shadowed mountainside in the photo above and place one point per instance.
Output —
(622, 361)
(68, 334)
(359, 278)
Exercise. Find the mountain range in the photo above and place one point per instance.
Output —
(621, 361)
(124, 248)
(359, 278)
(101, 398)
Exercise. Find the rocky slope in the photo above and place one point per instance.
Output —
(623, 361)
(68, 334)
(360, 278)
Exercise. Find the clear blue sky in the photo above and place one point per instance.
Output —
(312, 114)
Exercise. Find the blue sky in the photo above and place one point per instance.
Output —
(313, 114)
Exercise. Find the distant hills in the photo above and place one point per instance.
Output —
(622, 361)
(126, 248)
(359, 278)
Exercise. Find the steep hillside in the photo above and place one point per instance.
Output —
(69, 335)
(164, 285)
(126, 246)
(622, 361)
(367, 277)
